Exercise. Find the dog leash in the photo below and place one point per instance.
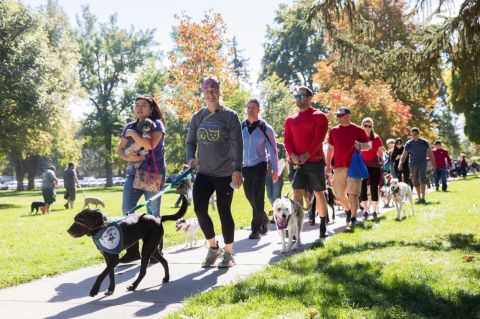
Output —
(183, 175)
(296, 167)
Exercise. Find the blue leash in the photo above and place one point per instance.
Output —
(183, 175)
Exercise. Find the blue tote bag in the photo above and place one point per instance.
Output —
(357, 168)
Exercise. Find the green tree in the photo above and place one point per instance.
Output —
(109, 55)
(239, 63)
(292, 49)
(37, 58)
(415, 65)
(446, 122)
(277, 103)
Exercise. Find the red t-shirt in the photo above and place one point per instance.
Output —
(371, 156)
(305, 132)
(343, 138)
(440, 156)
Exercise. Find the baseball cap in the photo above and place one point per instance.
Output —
(343, 110)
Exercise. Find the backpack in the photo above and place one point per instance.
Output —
(263, 127)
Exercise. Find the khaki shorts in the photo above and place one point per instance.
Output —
(343, 184)
(419, 174)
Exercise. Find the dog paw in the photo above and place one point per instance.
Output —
(108, 292)
(283, 251)
(131, 288)
(93, 292)
(165, 280)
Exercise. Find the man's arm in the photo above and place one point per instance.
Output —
(330, 153)
(402, 159)
(431, 157)
(288, 141)
(449, 160)
(321, 128)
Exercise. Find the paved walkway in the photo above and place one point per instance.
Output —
(66, 295)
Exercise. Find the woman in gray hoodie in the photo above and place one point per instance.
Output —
(215, 147)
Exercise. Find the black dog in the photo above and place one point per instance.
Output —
(146, 227)
(36, 205)
(330, 198)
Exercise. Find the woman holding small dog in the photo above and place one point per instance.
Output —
(149, 177)
(373, 159)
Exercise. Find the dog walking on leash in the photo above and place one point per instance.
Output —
(401, 191)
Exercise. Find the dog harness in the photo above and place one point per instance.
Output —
(109, 238)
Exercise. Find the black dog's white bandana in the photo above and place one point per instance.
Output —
(109, 238)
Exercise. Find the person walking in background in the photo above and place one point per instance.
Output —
(403, 174)
(304, 135)
(259, 145)
(464, 166)
(149, 171)
(418, 149)
(442, 163)
(388, 160)
(274, 189)
(342, 141)
(49, 182)
(373, 159)
(215, 147)
(70, 182)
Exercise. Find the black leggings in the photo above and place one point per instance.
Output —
(374, 177)
(203, 189)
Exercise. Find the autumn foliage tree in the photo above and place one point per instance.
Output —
(201, 49)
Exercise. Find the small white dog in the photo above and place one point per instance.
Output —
(190, 228)
(288, 215)
(401, 191)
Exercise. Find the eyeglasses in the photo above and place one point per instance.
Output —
(367, 126)
(341, 115)
(300, 96)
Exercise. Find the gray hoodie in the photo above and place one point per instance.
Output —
(219, 139)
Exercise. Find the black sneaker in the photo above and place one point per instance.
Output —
(351, 225)
(66, 205)
(349, 215)
(254, 235)
(264, 229)
(375, 215)
(365, 215)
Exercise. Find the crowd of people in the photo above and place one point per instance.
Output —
(227, 153)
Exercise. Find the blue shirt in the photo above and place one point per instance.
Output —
(148, 164)
(255, 146)
(418, 151)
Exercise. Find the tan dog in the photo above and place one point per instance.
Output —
(94, 201)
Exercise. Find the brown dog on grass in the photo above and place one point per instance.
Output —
(93, 201)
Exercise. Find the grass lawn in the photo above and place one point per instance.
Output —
(415, 268)
(33, 246)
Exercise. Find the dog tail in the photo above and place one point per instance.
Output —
(181, 212)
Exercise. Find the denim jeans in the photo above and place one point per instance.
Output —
(440, 173)
(132, 195)
(274, 190)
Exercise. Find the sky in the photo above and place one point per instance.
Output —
(246, 20)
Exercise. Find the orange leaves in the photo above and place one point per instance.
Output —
(201, 50)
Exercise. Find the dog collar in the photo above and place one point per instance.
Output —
(109, 238)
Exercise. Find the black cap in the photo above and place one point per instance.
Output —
(343, 110)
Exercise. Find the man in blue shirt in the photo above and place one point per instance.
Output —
(258, 137)
(419, 149)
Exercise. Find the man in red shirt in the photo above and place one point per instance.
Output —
(305, 132)
(441, 158)
(342, 141)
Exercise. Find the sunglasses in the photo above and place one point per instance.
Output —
(147, 97)
(300, 96)
(341, 115)
(367, 126)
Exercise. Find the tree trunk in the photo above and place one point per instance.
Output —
(31, 165)
(19, 173)
(108, 157)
